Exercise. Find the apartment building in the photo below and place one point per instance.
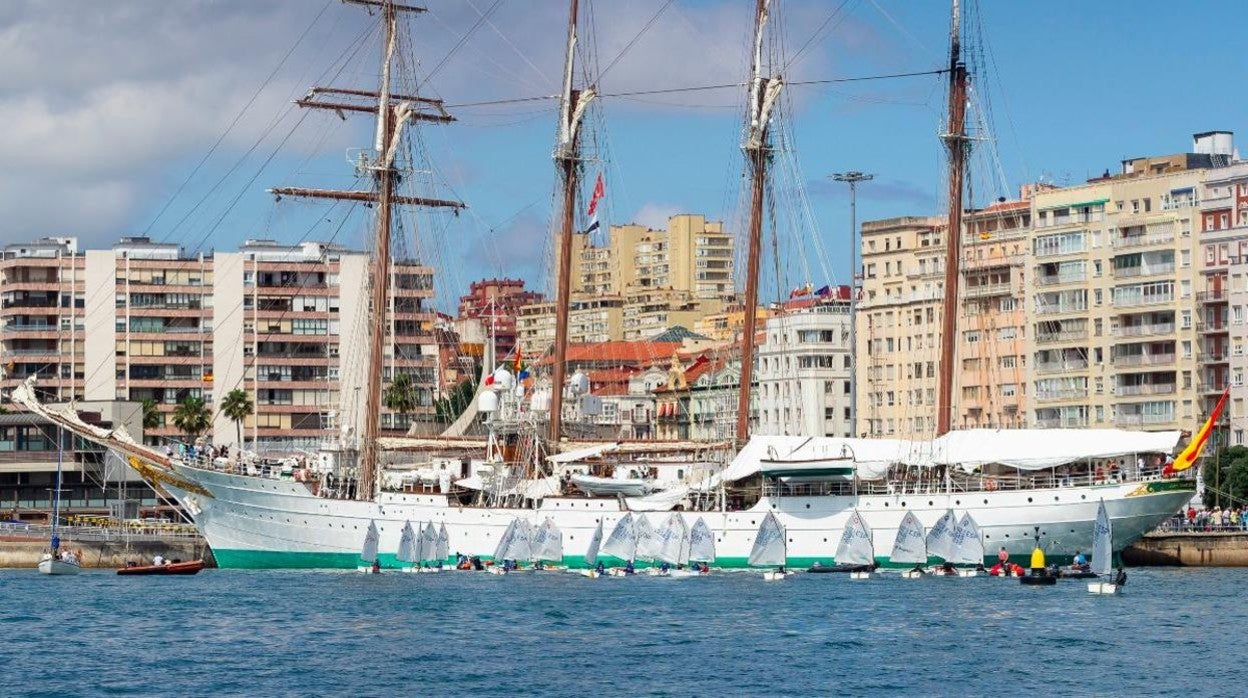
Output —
(288, 324)
(494, 304)
(1222, 292)
(803, 372)
(992, 325)
(898, 333)
(657, 279)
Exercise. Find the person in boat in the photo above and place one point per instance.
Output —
(158, 560)
(1121, 577)
(629, 568)
(664, 567)
(1080, 562)
(601, 568)
(1003, 557)
(947, 568)
(780, 569)
(376, 566)
(704, 568)
(918, 569)
(131, 563)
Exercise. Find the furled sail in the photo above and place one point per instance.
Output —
(591, 553)
(443, 550)
(1102, 541)
(769, 547)
(940, 536)
(910, 547)
(407, 544)
(647, 539)
(622, 542)
(968, 544)
(672, 537)
(701, 542)
(855, 547)
(371, 539)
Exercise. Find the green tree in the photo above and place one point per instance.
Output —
(151, 415)
(1225, 473)
(400, 395)
(192, 417)
(448, 408)
(238, 406)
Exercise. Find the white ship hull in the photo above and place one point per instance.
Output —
(258, 522)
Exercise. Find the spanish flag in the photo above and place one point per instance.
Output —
(1188, 457)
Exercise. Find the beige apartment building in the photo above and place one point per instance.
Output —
(656, 279)
(898, 333)
(1109, 304)
(142, 321)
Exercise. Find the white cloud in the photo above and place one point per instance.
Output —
(655, 215)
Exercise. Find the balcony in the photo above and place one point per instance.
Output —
(1146, 389)
(1150, 270)
(1063, 278)
(1143, 359)
(1061, 422)
(1135, 301)
(1062, 394)
(1140, 420)
(1216, 295)
(1061, 308)
(1214, 327)
(1128, 241)
(987, 290)
(1143, 330)
(30, 327)
(1065, 336)
(1059, 366)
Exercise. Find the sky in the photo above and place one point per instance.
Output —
(146, 117)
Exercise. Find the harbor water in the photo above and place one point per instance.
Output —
(289, 633)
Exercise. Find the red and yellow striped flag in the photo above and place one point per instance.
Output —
(1188, 457)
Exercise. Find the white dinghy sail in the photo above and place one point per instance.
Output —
(1103, 553)
(910, 547)
(504, 543)
(855, 547)
(443, 550)
(673, 540)
(368, 553)
(407, 545)
(701, 542)
(647, 540)
(548, 542)
(769, 545)
(429, 542)
(968, 543)
(622, 543)
(595, 541)
(940, 536)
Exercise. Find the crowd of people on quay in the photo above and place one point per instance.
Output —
(1209, 519)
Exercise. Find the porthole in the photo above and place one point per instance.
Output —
(903, 504)
(885, 505)
(1055, 498)
(808, 506)
(985, 501)
(1083, 496)
(825, 540)
(931, 504)
(958, 502)
(1029, 500)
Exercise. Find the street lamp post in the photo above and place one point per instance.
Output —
(852, 178)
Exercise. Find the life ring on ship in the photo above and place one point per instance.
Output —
(990, 484)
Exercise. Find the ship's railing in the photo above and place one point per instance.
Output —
(962, 483)
(138, 533)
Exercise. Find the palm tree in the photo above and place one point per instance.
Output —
(238, 406)
(192, 417)
(151, 415)
(400, 395)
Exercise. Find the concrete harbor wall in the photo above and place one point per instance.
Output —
(1189, 549)
(24, 551)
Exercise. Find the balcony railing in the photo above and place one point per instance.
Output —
(1134, 301)
(1149, 270)
(1142, 359)
(1136, 420)
(1065, 336)
(1057, 366)
(1216, 295)
(1141, 240)
(29, 327)
(1063, 394)
(1146, 389)
(1060, 308)
(1061, 422)
(1144, 330)
(1062, 278)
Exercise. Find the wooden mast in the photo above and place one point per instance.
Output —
(390, 122)
(567, 161)
(763, 92)
(956, 141)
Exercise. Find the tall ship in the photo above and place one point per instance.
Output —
(1017, 484)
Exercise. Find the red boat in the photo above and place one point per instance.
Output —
(192, 567)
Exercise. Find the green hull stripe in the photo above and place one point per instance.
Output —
(272, 559)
